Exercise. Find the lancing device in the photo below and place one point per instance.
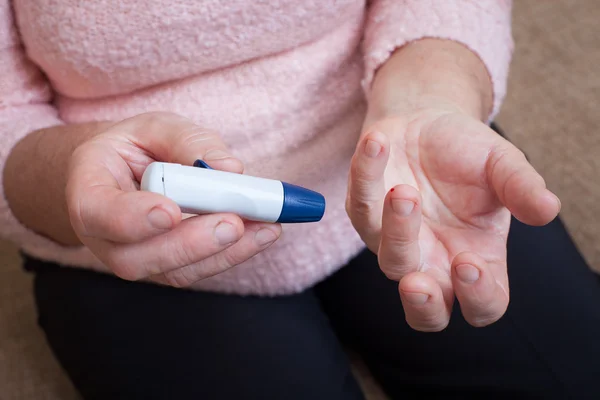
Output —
(199, 189)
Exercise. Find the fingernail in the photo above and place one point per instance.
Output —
(160, 219)
(416, 299)
(216, 154)
(372, 148)
(264, 237)
(467, 273)
(226, 233)
(559, 203)
(403, 207)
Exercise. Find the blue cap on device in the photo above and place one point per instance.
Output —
(301, 205)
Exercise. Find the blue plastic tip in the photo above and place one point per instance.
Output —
(301, 205)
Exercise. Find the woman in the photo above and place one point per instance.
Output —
(382, 107)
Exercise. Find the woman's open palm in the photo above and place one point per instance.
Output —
(432, 195)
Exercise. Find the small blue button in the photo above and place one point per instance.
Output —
(201, 164)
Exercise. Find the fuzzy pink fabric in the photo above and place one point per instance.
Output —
(282, 80)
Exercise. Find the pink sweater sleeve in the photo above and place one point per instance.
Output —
(484, 26)
(25, 106)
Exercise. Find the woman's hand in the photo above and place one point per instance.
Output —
(432, 188)
(141, 235)
(431, 194)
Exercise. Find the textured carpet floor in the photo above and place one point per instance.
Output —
(552, 112)
(553, 107)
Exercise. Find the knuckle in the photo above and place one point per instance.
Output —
(233, 257)
(506, 156)
(436, 322)
(199, 139)
(366, 226)
(393, 270)
(495, 159)
(208, 139)
(361, 173)
(176, 279)
(400, 238)
(398, 260)
(206, 134)
(78, 217)
(183, 254)
(361, 207)
(193, 131)
(118, 263)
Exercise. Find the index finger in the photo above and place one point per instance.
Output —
(367, 186)
(172, 138)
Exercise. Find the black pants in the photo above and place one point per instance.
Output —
(122, 340)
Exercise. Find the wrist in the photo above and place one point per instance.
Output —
(431, 73)
(35, 176)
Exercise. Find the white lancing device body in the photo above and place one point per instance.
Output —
(201, 190)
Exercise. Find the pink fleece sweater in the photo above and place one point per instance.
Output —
(283, 81)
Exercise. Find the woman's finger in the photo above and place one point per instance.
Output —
(257, 237)
(519, 187)
(103, 203)
(367, 188)
(423, 302)
(172, 138)
(105, 212)
(482, 295)
(399, 252)
(193, 240)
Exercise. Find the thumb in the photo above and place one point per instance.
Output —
(519, 187)
(172, 138)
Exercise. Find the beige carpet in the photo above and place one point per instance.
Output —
(553, 107)
(27, 369)
(552, 112)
